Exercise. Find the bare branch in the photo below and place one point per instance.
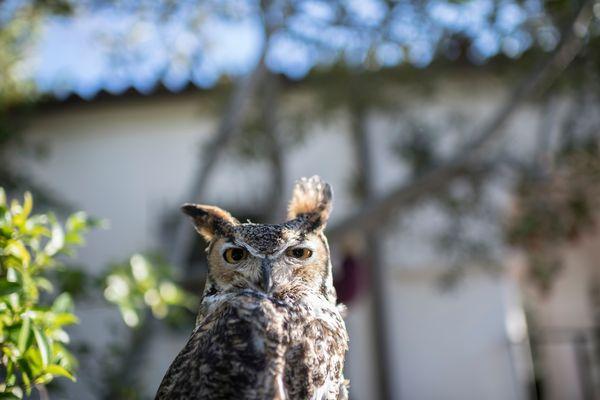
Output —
(228, 129)
(232, 119)
(372, 214)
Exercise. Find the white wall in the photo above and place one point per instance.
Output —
(452, 344)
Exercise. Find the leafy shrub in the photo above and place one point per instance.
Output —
(556, 208)
(33, 340)
(146, 283)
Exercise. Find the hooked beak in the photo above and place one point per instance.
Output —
(266, 283)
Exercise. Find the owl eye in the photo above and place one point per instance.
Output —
(234, 255)
(301, 253)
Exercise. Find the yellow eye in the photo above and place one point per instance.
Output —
(301, 253)
(234, 255)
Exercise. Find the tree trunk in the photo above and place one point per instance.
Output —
(366, 178)
(270, 115)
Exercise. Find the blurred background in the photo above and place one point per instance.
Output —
(461, 138)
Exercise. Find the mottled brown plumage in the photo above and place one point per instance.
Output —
(268, 325)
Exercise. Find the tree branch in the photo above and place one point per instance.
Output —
(231, 122)
(229, 127)
(375, 212)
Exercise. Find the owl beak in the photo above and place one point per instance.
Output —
(266, 281)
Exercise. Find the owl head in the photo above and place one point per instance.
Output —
(270, 258)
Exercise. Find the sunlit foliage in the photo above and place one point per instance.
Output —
(145, 283)
(33, 340)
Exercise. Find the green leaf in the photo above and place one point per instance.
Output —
(8, 396)
(65, 319)
(8, 287)
(11, 377)
(27, 205)
(10, 351)
(24, 335)
(26, 374)
(60, 335)
(43, 345)
(76, 221)
(57, 240)
(63, 304)
(17, 249)
(15, 208)
(43, 379)
(44, 284)
(11, 392)
(26, 382)
(57, 370)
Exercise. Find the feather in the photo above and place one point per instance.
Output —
(311, 199)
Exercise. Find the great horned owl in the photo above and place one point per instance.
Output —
(268, 326)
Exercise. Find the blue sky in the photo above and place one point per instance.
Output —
(115, 50)
(88, 53)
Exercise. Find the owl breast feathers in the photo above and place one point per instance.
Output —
(268, 325)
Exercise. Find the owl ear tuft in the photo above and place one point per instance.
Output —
(311, 201)
(210, 221)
